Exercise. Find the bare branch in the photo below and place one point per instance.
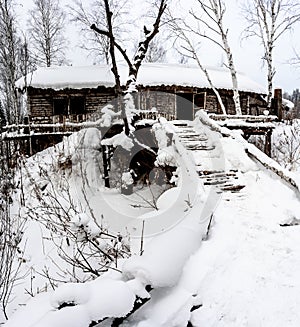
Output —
(268, 21)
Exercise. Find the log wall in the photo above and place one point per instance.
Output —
(163, 98)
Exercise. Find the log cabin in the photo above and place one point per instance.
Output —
(177, 91)
(60, 97)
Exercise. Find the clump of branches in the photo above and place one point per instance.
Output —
(84, 244)
(98, 45)
(286, 146)
(11, 229)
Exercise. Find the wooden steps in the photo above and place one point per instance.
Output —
(200, 146)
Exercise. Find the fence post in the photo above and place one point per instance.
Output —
(105, 156)
(278, 103)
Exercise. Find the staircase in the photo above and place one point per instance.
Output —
(209, 165)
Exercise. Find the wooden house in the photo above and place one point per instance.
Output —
(56, 94)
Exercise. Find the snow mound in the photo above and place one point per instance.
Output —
(89, 138)
(163, 259)
(77, 305)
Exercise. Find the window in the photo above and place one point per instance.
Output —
(64, 106)
(77, 105)
(60, 106)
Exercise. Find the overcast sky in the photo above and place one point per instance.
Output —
(247, 53)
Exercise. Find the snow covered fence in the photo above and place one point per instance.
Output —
(252, 151)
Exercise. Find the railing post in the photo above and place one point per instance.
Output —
(105, 157)
(278, 103)
(268, 143)
(27, 131)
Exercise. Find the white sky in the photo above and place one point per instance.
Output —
(247, 54)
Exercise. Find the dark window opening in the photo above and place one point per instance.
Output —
(77, 105)
(199, 101)
(60, 106)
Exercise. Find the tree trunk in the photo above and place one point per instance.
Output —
(236, 95)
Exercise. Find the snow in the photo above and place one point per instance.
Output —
(120, 139)
(90, 138)
(86, 302)
(84, 221)
(245, 273)
(108, 116)
(238, 123)
(165, 157)
(163, 259)
(248, 271)
(127, 179)
(288, 104)
(150, 74)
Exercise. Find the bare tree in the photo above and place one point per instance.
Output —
(96, 44)
(11, 228)
(268, 20)
(9, 59)
(181, 31)
(46, 28)
(286, 147)
(213, 20)
(134, 64)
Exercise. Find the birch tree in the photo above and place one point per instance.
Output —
(269, 20)
(182, 32)
(213, 20)
(46, 30)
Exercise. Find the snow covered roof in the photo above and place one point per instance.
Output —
(150, 74)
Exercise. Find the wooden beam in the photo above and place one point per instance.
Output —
(278, 102)
(268, 143)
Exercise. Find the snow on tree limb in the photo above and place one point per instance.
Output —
(133, 65)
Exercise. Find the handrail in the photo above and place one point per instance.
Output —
(247, 118)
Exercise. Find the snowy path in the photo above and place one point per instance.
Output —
(247, 272)
(252, 263)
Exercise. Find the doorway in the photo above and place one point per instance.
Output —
(184, 105)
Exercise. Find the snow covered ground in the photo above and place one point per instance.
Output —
(245, 272)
